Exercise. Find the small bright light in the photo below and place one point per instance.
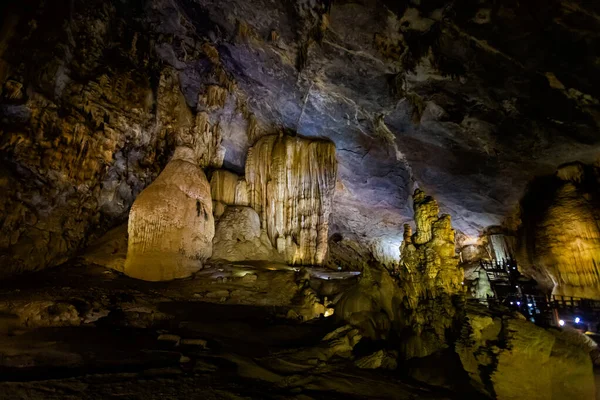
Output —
(561, 322)
(518, 303)
(577, 320)
(462, 283)
(529, 305)
(511, 303)
(329, 312)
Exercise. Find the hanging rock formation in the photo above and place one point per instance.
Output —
(430, 279)
(171, 224)
(560, 233)
(291, 181)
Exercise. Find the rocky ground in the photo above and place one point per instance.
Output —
(90, 333)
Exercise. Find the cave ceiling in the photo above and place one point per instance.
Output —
(467, 100)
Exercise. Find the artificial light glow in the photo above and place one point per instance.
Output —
(328, 312)
(529, 305)
(518, 303)
(511, 303)
(577, 320)
(561, 322)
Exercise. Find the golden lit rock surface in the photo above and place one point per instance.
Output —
(430, 279)
(171, 224)
(228, 188)
(561, 233)
(291, 181)
(500, 352)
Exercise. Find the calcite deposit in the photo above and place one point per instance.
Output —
(239, 237)
(499, 352)
(430, 279)
(560, 234)
(291, 181)
(171, 225)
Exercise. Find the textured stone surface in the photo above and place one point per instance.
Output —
(430, 279)
(463, 101)
(560, 234)
(500, 353)
(239, 237)
(291, 181)
(228, 188)
(171, 225)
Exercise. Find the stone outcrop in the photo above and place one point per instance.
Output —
(430, 280)
(560, 233)
(507, 357)
(171, 223)
(291, 181)
(239, 237)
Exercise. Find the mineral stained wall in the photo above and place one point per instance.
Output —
(560, 233)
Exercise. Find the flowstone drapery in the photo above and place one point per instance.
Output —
(291, 181)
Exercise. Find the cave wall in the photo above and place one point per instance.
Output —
(559, 239)
(96, 95)
(93, 103)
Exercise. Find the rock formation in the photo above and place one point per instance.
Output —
(560, 234)
(291, 181)
(430, 279)
(171, 223)
(239, 237)
(500, 353)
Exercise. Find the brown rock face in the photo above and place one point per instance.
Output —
(171, 224)
(291, 181)
(430, 279)
(560, 234)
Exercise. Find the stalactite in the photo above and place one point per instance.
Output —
(171, 225)
(291, 181)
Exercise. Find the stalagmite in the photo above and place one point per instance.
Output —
(171, 224)
(291, 181)
(430, 279)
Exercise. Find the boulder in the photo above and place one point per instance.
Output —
(509, 358)
(239, 237)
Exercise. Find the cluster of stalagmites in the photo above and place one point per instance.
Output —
(560, 238)
(421, 304)
(280, 212)
(430, 278)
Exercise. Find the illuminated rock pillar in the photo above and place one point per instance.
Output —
(171, 223)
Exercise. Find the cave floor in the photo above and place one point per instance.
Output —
(86, 332)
